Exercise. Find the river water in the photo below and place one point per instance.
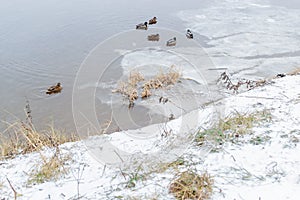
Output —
(45, 42)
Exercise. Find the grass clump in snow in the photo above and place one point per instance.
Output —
(50, 169)
(133, 177)
(190, 185)
(239, 124)
(233, 126)
(259, 139)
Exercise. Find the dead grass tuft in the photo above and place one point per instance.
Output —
(21, 138)
(137, 86)
(233, 126)
(169, 78)
(135, 78)
(189, 185)
(294, 72)
(250, 84)
(129, 88)
(51, 168)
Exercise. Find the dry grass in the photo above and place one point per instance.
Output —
(242, 123)
(294, 72)
(250, 84)
(22, 138)
(190, 185)
(137, 86)
(50, 169)
(169, 78)
(162, 80)
(233, 126)
(163, 167)
(129, 88)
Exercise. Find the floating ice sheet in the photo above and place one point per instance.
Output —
(243, 34)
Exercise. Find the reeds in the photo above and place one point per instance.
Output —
(250, 84)
(137, 86)
(22, 137)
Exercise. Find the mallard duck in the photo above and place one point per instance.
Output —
(143, 26)
(189, 34)
(54, 89)
(171, 42)
(153, 20)
(171, 117)
(280, 75)
(154, 37)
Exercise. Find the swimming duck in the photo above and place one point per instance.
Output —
(154, 37)
(189, 34)
(171, 117)
(54, 89)
(153, 20)
(171, 42)
(142, 26)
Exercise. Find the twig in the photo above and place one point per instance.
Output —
(118, 155)
(108, 124)
(123, 174)
(103, 170)
(78, 178)
(13, 189)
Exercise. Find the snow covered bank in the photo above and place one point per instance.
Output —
(265, 170)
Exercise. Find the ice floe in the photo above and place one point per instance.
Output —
(243, 34)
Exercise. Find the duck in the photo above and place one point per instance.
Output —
(280, 75)
(154, 37)
(54, 89)
(171, 117)
(153, 20)
(189, 34)
(143, 26)
(171, 42)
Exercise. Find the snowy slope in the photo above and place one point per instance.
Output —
(270, 170)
